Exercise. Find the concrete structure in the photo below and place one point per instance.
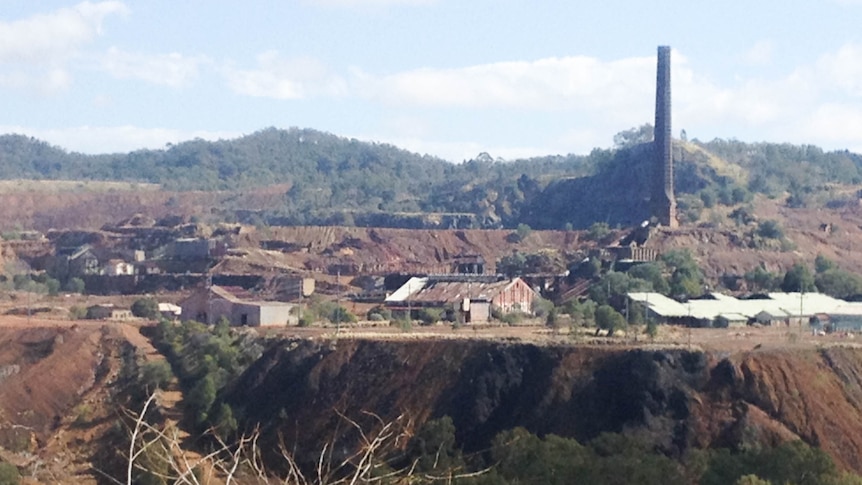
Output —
(82, 261)
(118, 267)
(191, 249)
(662, 201)
(468, 264)
(844, 318)
(170, 311)
(209, 305)
(296, 286)
(473, 296)
(108, 312)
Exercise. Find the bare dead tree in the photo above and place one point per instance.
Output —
(158, 451)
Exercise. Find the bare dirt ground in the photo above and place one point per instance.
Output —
(727, 341)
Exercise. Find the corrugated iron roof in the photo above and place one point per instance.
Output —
(450, 288)
(778, 304)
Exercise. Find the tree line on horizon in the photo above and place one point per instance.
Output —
(335, 180)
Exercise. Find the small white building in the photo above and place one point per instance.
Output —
(118, 267)
(209, 305)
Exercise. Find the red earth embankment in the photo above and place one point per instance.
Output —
(677, 399)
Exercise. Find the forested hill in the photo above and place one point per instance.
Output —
(325, 175)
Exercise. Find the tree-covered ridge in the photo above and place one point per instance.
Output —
(334, 180)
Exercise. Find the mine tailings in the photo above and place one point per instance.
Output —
(301, 391)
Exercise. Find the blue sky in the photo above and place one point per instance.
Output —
(451, 78)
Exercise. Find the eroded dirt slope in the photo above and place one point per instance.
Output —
(56, 395)
(675, 398)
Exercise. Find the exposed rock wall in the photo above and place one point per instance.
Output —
(674, 398)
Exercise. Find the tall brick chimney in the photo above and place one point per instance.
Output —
(662, 201)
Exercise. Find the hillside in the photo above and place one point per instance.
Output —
(65, 385)
(302, 176)
(60, 395)
(676, 400)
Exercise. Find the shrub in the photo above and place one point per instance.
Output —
(598, 231)
(770, 230)
(75, 285)
(340, 314)
(9, 474)
(542, 307)
(77, 313)
(429, 316)
(382, 313)
(512, 318)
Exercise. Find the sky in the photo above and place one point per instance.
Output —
(449, 78)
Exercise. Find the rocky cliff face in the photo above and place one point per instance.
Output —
(674, 398)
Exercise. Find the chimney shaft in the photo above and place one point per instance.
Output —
(662, 198)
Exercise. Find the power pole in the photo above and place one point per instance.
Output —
(337, 301)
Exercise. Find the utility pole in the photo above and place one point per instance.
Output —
(299, 314)
(688, 323)
(337, 301)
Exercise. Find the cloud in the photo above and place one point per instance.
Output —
(34, 51)
(41, 81)
(843, 69)
(174, 70)
(45, 38)
(115, 139)
(280, 78)
(544, 84)
(368, 3)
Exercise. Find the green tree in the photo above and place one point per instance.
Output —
(798, 278)
(609, 319)
(823, 264)
(613, 287)
(791, 462)
(155, 375)
(759, 279)
(653, 273)
(513, 264)
(53, 286)
(770, 229)
(201, 398)
(75, 285)
(225, 422)
(686, 277)
(146, 308)
(838, 283)
(434, 448)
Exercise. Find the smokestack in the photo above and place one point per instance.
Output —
(662, 202)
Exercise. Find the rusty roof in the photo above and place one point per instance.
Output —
(450, 291)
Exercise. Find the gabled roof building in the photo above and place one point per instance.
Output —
(238, 306)
(473, 295)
